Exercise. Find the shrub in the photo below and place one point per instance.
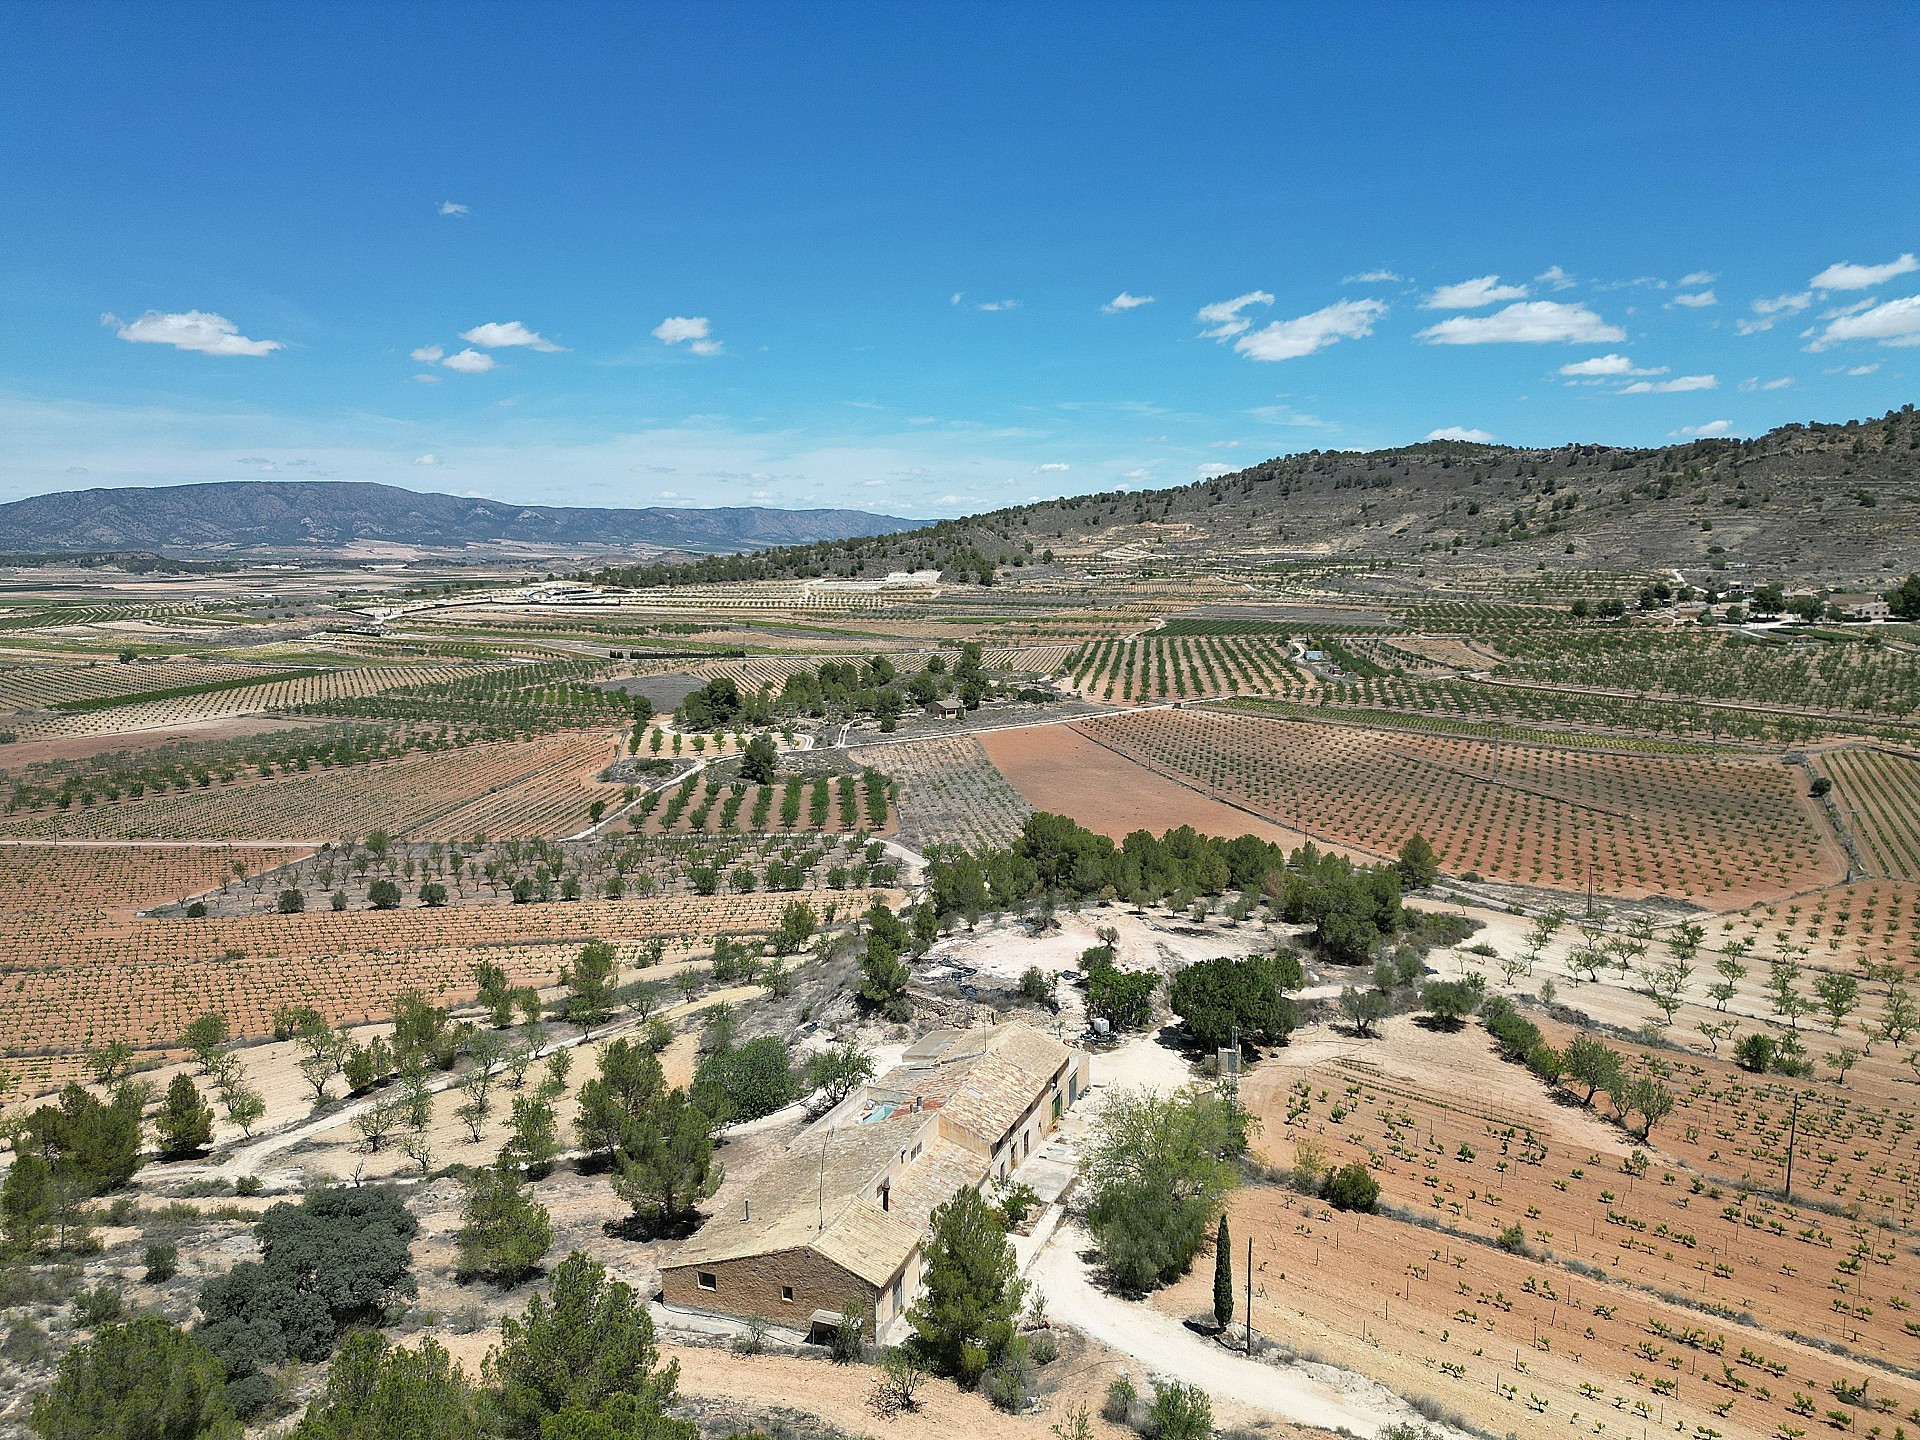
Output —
(162, 1263)
(338, 1258)
(746, 1083)
(1351, 1187)
(99, 1306)
(1179, 1412)
(1513, 1239)
(1118, 1406)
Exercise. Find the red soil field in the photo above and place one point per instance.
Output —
(1056, 768)
(1673, 1309)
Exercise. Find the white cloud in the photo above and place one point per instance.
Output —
(992, 305)
(1287, 415)
(453, 207)
(1532, 322)
(1862, 369)
(1699, 300)
(1609, 365)
(1052, 467)
(1124, 301)
(1846, 276)
(1700, 277)
(1460, 432)
(957, 297)
(427, 459)
(428, 355)
(1223, 318)
(1754, 383)
(469, 362)
(1208, 472)
(199, 330)
(1140, 475)
(1555, 278)
(694, 331)
(1675, 386)
(1835, 312)
(1706, 431)
(1472, 294)
(1895, 323)
(1374, 277)
(505, 335)
(1770, 309)
(426, 379)
(1290, 339)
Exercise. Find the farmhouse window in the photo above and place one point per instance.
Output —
(786, 1293)
(708, 1280)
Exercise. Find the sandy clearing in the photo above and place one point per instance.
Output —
(1058, 769)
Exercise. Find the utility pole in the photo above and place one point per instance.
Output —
(1249, 1297)
(1793, 1135)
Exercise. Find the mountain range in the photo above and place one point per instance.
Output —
(317, 517)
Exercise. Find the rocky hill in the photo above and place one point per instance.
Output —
(1833, 504)
(314, 517)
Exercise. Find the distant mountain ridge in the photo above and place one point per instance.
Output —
(322, 515)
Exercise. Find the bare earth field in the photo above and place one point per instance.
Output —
(1058, 770)
(1674, 1306)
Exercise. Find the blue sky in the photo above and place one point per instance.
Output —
(888, 256)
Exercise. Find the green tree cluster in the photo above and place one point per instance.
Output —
(339, 1258)
(1223, 998)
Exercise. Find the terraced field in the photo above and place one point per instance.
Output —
(1879, 793)
(536, 787)
(286, 694)
(45, 686)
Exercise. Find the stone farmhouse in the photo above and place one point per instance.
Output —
(837, 1220)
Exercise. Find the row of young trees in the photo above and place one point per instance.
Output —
(1353, 908)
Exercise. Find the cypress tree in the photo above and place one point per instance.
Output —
(1222, 1276)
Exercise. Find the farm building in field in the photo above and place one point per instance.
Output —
(946, 709)
(837, 1220)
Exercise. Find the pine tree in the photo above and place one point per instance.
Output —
(28, 1202)
(506, 1232)
(185, 1121)
(1222, 1275)
(965, 1316)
